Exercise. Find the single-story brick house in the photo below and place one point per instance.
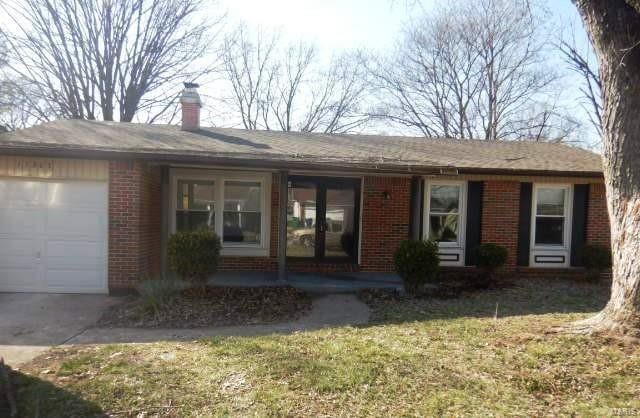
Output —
(88, 206)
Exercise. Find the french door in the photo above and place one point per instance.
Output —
(323, 217)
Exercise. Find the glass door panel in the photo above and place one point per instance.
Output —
(301, 220)
(339, 224)
(322, 218)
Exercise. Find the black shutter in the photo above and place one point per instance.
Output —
(524, 224)
(474, 221)
(579, 221)
(417, 199)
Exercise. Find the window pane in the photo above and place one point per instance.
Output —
(196, 195)
(445, 199)
(443, 228)
(340, 217)
(301, 221)
(190, 221)
(549, 231)
(550, 202)
(242, 227)
(242, 196)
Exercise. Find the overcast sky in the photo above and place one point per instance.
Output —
(338, 25)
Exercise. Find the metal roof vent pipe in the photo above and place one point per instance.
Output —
(191, 104)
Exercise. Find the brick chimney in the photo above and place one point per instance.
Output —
(191, 104)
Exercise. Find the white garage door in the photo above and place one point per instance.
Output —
(53, 236)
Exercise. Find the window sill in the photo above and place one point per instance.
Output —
(450, 246)
(244, 252)
(550, 248)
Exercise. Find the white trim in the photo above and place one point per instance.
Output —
(447, 249)
(219, 177)
(553, 255)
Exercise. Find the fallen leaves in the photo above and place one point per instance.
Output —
(217, 306)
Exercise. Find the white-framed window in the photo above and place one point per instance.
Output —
(551, 225)
(242, 215)
(195, 204)
(234, 204)
(444, 218)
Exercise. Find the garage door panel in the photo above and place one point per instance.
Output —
(73, 249)
(53, 236)
(16, 247)
(85, 195)
(61, 222)
(20, 193)
(19, 279)
(20, 222)
(75, 280)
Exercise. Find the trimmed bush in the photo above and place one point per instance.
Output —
(417, 262)
(595, 259)
(194, 255)
(490, 256)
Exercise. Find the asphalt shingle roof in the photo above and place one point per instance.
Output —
(286, 149)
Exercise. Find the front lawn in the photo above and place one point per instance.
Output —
(421, 357)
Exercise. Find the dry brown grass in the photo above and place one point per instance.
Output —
(421, 357)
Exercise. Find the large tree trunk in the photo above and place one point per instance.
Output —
(614, 27)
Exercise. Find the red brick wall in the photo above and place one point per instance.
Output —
(500, 212)
(598, 227)
(248, 264)
(134, 223)
(275, 216)
(151, 217)
(135, 218)
(385, 223)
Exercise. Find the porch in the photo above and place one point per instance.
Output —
(331, 227)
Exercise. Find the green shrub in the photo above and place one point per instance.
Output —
(194, 255)
(417, 262)
(156, 293)
(595, 259)
(490, 257)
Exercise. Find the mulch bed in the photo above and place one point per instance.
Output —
(449, 289)
(216, 306)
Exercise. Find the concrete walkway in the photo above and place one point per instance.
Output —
(30, 323)
(327, 311)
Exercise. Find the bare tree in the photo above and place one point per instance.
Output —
(286, 88)
(17, 107)
(471, 69)
(96, 59)
(290, 80)
(336, 97)
(250, 68)
(614, 28)
(582, 63)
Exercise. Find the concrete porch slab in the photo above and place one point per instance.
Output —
(311, 282)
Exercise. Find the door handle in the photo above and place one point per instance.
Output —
(322, 227)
